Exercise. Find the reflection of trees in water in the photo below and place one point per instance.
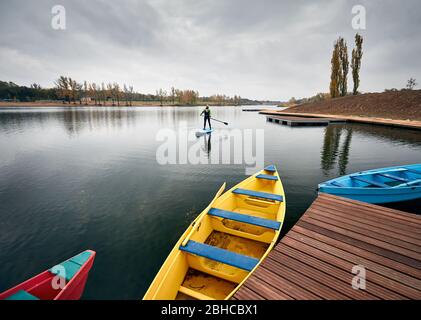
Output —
(74, 120)
(344, 153)
(389, 134)
(330, 147)
(332, 150)
(337, 142)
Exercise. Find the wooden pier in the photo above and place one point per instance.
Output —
(315, 259)
(300, 121)
(407, 124)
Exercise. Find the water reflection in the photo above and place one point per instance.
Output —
(207, 138)
(89, 178)
(330, 148)
(338, 140)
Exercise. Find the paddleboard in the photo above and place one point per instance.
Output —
(202, 132)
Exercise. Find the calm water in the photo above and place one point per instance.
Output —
(73, 179)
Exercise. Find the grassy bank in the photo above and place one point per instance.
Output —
(399, 105)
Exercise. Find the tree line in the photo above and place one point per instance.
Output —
(71, 91)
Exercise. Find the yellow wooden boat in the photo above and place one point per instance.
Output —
(225, 243)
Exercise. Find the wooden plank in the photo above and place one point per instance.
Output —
(373, 215)
(342, 260)
(384, 212)
(362, 216)
(244, 293)
(407, 255)
(264, 273)
(361, 228)
(315, 258)
(377, 262)
(342, 283)
(266, 291)
(332, 266)
(302, 280)
(361, 244)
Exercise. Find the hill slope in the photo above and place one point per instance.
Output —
(404, 105)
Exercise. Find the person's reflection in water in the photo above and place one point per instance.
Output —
(208, 146)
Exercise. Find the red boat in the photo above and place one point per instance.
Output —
(65, 281)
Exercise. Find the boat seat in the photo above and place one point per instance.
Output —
(270, 168)
(221, 255)
(336, 184)
(22, 295)
(267, 177)
(374, 183)
(413, 171)
(257, 194)
(71, 266)
(391, 176)
(261, 222)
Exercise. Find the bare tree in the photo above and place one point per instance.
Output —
(411, 84)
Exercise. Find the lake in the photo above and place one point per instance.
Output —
(88, 178)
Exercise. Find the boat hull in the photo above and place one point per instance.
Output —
(187, 274)
(54, 284)
(392, 184)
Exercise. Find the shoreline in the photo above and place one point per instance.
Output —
(134, 104)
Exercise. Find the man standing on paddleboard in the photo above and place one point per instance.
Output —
(207, 114)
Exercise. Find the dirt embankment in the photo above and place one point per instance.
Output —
(401, 105)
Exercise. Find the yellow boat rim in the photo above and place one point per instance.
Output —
(225, 243)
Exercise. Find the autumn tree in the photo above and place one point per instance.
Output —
(131, 93)
(161, 94)
(63, 88)
(85, 92)
(75, 89)
(335, 75)
(357, 54)
(344, 65)
(103, 93)
(173, 94)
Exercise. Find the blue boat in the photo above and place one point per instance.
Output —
(394, 184)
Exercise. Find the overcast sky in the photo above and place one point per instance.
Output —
(256, 49)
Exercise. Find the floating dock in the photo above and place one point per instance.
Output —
(319, 257)
(252, 110)
(301, 121)
(407, 124)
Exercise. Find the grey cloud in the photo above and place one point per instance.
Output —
(259, 49)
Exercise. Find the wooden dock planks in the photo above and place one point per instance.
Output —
(315, 258)
(408, 124)
(301, 121)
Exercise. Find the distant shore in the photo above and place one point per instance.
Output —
(77, 104)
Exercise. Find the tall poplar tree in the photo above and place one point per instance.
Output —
(357, 54)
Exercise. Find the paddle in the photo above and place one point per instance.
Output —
(226, 123)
